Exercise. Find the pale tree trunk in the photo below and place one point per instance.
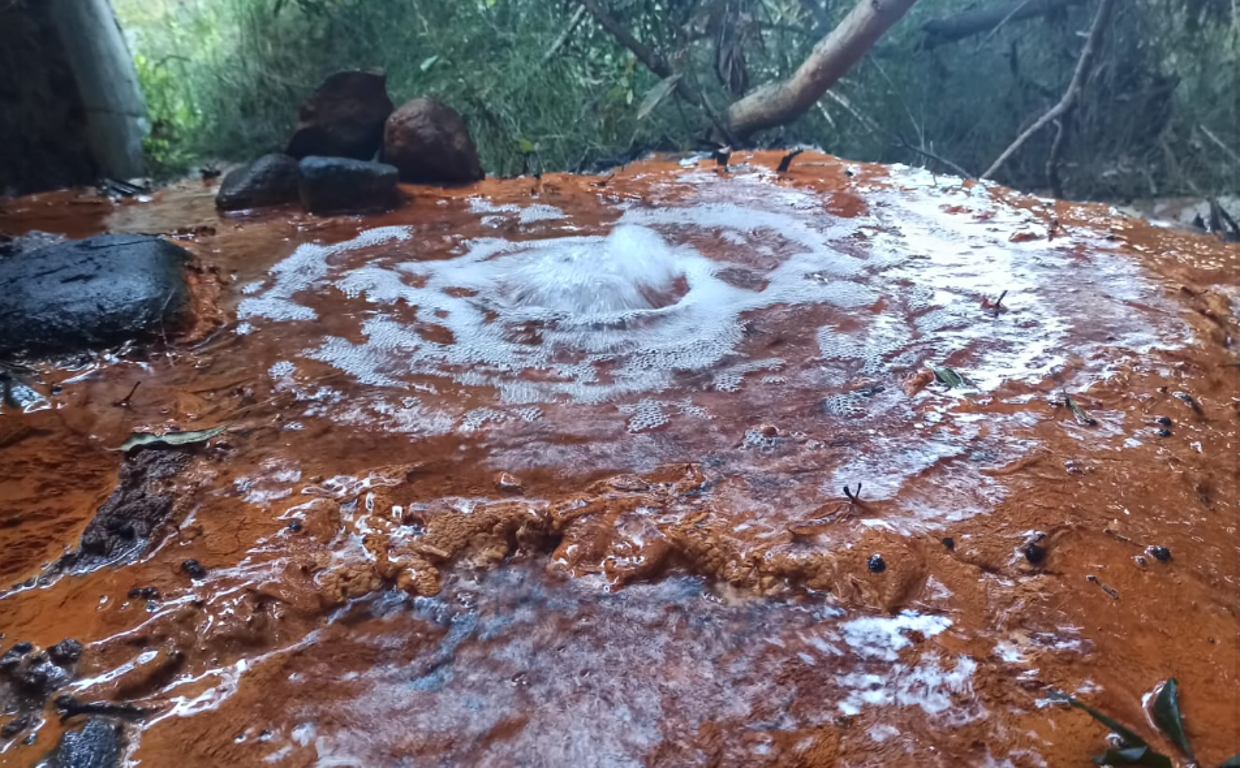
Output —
(781, 102)
(107, 83)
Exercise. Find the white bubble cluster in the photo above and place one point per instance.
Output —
(586, 318)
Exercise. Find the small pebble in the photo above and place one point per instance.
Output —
(1161, 554)
(143, 593)
(295, 526)
(507, 482)
(876, 564)
(1164, 432)
(950, 543)
(1034, 553)
(1163, 420)
(194, 569)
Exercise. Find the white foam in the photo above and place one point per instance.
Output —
(597, 317)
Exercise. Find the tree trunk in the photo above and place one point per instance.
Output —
(107, 83)
(781, 102)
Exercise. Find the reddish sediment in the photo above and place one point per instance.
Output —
(617, 544)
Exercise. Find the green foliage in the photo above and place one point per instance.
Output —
(224, 79)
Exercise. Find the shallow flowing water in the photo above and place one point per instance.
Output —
(553, 473)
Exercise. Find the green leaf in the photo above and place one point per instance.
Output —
(1232, 762)
(656, 95)
(526, 146)
(171, 438)
(1168, 718)
(1130, 738)
(949, 377)
(1080, 414)
(428, 62)
(1133, 756)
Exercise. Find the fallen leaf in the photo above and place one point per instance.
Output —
(656, 95)
(1168, 718)
(1133, 756)
(138, 439)
(949, 377)
(1130, 738)
(1079, 413)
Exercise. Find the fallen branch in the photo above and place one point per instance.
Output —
(779, 102)
(987, 19)
(1084, 67)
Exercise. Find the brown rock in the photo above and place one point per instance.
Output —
(336, 185)
(429, 143)
(269, 180)
(343, 117)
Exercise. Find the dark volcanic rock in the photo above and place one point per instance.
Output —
(331, 185)
(98, 745)
(31, 241)
(343, 117)
(269, 180)
(124, 525)
(88, 293)
(65, 652)
(430, 144)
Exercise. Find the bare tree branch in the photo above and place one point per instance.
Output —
(563, 39)
(988, 18)
(1084, 66)
(779, 102)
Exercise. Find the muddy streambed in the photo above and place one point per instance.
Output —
(553, 472)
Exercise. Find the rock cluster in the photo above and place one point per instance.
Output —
(351, 148)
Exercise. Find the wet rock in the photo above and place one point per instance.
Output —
(194, 569)
(950, 544)
(65, 652)
(124, 525)
(876, 564)
(13, 655)
(11, 245)
(430, 144)
(269, 180)
(18, 724)
(88, 293)
(98, 745)
(344, 117)
(333, 185)
(1035, 553)
(1161, 554)
(29, 673)
(144, 593)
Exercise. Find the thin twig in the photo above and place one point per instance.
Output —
(1084, 66)
(1015, 10)
(656, 63)
(562, 40)
(1231, 153)
(897, 138)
